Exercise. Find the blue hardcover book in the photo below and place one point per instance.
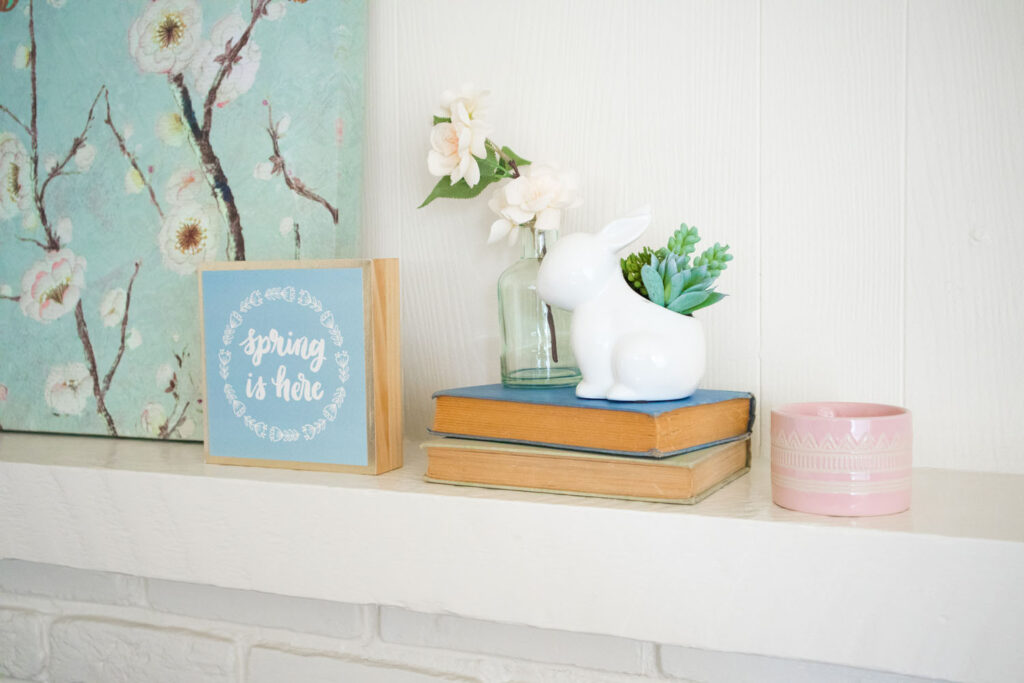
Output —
(556, 417)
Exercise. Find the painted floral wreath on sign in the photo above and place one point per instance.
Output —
(301, 388)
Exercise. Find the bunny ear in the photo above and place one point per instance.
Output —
(622, 231)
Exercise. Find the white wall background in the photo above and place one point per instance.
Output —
(864, 158)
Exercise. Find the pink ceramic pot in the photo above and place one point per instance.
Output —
(849, 459)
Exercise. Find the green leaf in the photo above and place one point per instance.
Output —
(655, 288)
(441, 119)
(460, 190)
(507, 151)
(685, 302)
(714, 298)
(676, 285)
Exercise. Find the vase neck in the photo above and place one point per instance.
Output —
(536, 242)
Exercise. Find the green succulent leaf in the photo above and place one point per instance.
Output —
(631, 266)
(716, 259)
(676, 285)
(684, 240)
(713, 298)
(688, 302)
(654, 285)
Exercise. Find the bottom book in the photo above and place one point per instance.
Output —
(686, 478)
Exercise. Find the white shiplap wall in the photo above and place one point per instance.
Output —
(865, 160)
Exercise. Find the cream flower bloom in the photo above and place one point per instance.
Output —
(166, 36)
(84, 157)
(6, 290)
(133, 339)
(164, 375)
(68, 387)
(21, 57)
(51, 287)
(153, 419)
(187, 428)
(274, 10)
(287, 226)
(188, 236)
(263, 170)
(112, 306)
(15, 177)
(170, 128)
(472, 99)
(64, 229)
(243, 72)
(539, 194)
(184, 186)
(133, 181)
(455, 148)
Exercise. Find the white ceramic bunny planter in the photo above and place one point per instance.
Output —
(628, 348)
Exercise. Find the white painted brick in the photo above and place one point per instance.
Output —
(117, 652)
(65, 583)
(333, 619)
(22, 651)
(707, 666)
(539, 645)
(275, 666)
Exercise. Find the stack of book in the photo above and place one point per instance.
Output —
(549, 440)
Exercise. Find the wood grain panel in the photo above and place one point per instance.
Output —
(965, 220)
(649, 101)
(832, 102)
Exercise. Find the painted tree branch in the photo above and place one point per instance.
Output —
(165, 431)
(58, 170)
(291, 181)
(16, 119)
(211, 167)
(129, 156)
(10, 298)
(227, 62)
(90, 358)
(124, 332)
(33, 241)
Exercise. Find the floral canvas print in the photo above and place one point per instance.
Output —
(139, 138)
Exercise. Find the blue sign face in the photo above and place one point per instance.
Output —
(286, 365)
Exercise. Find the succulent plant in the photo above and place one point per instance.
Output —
(669, 279)
(631, 266)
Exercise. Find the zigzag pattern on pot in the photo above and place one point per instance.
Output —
(805, 441)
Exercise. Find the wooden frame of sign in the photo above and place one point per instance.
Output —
(331, 328)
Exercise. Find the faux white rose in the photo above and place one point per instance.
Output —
(472, 99)
(538, 195)
(456, 146)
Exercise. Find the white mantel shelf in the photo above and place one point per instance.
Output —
(937, 591)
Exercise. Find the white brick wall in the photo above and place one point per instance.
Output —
(62, 625)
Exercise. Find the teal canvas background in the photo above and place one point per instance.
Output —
(310, 69)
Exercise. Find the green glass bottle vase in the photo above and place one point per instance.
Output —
(535, 348)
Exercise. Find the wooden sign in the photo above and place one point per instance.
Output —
(301, 364)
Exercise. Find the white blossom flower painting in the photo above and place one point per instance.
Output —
(138, 139)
